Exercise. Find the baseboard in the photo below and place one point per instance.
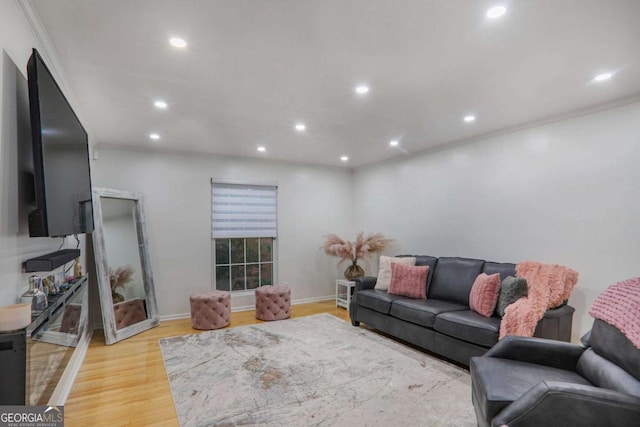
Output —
(252, 307)
(314, 299)
(175, 316)
(63, 388)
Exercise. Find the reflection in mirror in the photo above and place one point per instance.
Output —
(123, 260)
(45, 364)
(127, 295)
(50, 345)
(66, 323)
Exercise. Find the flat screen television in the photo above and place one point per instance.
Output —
(60, 147)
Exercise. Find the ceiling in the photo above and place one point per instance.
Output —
(253, 69)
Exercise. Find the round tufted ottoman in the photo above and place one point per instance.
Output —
(273, 302)
(210, 310)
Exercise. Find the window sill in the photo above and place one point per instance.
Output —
(242, 293)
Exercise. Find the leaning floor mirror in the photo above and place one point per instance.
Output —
(125, 281)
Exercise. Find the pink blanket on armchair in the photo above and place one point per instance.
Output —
(548, 285)
(619, 306)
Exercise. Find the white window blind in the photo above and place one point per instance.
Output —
(239, 210)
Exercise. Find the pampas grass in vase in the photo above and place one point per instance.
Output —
(363, 247)
(119, 279)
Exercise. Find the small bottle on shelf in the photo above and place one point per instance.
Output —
(77, 269)
(27, 297)
(39, 303)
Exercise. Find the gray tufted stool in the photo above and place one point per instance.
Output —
(210, 310)
(273, 302)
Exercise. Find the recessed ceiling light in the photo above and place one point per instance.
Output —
(344, 158)
(177, 42)
(602, 77)
(154, 136)
(394, 143)
(262, 149)
(496, 12)
(300, 127)
(469, 119)
(160, 104)
(362, 89)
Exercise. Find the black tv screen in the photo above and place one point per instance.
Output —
(60, 147)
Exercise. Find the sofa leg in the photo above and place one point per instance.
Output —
(355, 323)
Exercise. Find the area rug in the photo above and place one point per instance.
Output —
(311, 371)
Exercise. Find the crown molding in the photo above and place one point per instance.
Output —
(50, 54)
(569, 115)
(45, 46)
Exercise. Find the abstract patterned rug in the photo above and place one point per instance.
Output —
(311, 371)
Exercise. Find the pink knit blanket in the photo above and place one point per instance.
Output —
(548, 286)
(619, 306)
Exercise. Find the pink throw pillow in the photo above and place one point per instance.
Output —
(408, 280)
(484, 294)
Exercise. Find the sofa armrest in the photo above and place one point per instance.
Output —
(556, 354)
(362, 283)
(561, 311)
(565, 404)
(365, 282)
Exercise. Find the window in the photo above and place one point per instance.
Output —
(243, 231)
(243, 264)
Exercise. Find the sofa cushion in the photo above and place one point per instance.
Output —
(376, 300)
(511, 290)
(469, 326)
(484, 294)
(384, 270)
(453, 278)
(424, 260)
(612, 344)
(505, 269)
(422, 312)
(603, 373)
(408, 280)
(498, 382)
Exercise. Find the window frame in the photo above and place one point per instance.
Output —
(274, 246)
(259, 263)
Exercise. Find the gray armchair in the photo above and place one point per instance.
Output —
(523, 382)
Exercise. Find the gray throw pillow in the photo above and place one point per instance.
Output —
(511, 290)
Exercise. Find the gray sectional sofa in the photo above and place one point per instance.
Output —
(443, 323)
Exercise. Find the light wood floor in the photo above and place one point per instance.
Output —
(126, 384)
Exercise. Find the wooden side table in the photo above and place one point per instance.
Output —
(344, 290)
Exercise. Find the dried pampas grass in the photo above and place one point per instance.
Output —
(363, 247)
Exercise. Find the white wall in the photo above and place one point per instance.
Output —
(312, 202)
(16, 41)
(565, 193)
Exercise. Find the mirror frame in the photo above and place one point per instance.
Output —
(111, 334)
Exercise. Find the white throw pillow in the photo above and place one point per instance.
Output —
(384, 273)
